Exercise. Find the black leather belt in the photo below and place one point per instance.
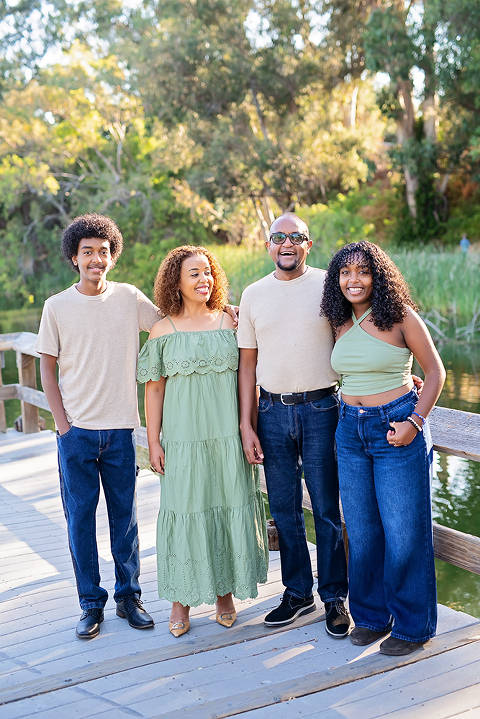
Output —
(289, 398)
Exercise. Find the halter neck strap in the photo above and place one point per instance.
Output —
(360, 319)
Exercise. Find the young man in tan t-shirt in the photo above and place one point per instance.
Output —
(91, 331)
(285, 348)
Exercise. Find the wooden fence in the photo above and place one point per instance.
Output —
(455, 433)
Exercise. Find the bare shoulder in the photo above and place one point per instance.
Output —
(412, 319)
(161, 328)
(227, 322)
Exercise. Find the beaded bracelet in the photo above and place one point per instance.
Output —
(417, 426)
(419, 415)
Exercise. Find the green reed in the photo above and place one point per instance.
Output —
(446, 285)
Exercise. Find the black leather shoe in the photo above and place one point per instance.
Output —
(337, 619)
(88, 626)
(131, 608)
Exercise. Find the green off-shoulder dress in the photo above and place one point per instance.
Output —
(211, 530)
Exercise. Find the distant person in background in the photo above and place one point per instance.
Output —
(91, 330)
(384, 455)
(464, 244)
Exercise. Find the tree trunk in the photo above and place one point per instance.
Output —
(263, 225)
(405, 132)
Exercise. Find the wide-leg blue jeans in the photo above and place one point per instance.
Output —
(300, 439)
(86, 457)
(385, 494)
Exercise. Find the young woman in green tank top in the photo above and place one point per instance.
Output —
(383, 447)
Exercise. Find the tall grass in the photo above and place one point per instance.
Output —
(446, 285)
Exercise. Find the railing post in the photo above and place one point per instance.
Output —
(28, 378)
(3, 419)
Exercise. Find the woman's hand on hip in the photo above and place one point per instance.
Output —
(157, 458)
(401, 434)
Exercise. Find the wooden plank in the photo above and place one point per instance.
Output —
(140, 659)
(455, 432)
(25, 343)
(33, 396)
(141, 437)
(9, 391)
(7, 340)
(28, 378)
(321, 681)
(458, 548)
(3, 419)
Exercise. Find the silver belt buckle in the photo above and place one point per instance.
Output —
(286, 394)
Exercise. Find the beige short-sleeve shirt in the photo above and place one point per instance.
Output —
(96, 341)
(281, 319)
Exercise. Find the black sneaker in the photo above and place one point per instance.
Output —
(290, 608)
(338, 619)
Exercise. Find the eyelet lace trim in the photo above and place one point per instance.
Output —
(153, 363)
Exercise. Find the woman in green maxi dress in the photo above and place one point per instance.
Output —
(211, 531)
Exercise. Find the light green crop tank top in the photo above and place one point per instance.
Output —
(367, 364)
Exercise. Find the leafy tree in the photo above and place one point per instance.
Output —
(437, 39)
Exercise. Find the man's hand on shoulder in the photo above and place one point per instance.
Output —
(232, 310)
(251, 446)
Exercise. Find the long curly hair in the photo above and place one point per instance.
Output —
(165, 290)
(91, 225)
(390, 293)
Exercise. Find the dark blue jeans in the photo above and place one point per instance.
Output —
(86, 457)
(300, 439)
(385, 493)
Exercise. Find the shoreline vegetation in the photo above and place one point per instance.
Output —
(445, 284)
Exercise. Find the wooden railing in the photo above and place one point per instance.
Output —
(454, 433)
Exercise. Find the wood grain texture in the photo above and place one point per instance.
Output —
(141, 659)
(458, 548)
(456, 433)
(321, 681)
(28, 378)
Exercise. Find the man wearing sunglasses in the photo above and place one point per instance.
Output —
(285, 348)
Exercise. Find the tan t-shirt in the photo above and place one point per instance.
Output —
(96, 341)
(282, 319)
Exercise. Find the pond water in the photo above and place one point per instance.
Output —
(456, 486)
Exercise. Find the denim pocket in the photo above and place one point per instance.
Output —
(65, 434)
(264, 404)
(400, 414)
(326, 404)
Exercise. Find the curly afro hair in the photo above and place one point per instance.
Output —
(165, 289)
(390, 293)
(91, 226)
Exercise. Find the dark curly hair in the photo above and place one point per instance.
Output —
(91, 226)
(165, 289)
(390, 293)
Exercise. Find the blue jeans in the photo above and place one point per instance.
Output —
(385, 493)
(300, 439)
(86, 457)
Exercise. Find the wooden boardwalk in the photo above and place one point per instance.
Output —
(210, 672)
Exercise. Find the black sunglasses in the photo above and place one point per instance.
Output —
(296, 238)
